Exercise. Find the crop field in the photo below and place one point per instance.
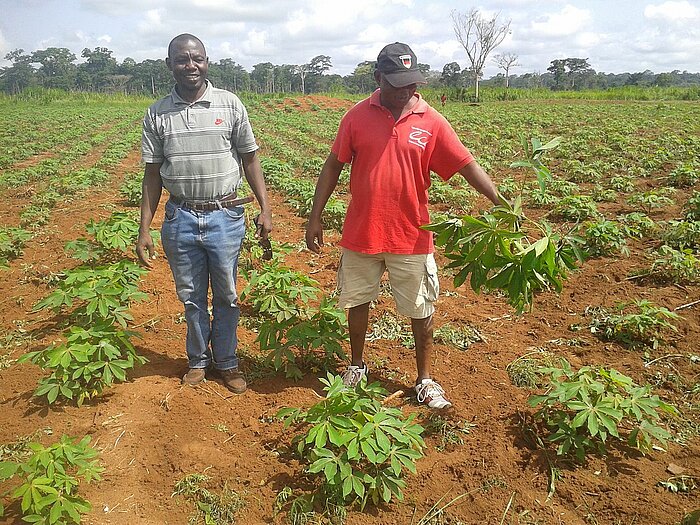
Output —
(566, 336)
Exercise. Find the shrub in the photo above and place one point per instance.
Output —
(684, 176)
(361, 447)
(12, 241)
(623, 183)
(131, 189)
(604, 237)
(90, 360)
(576, 208)
(677, 266)
(637, 224)
(49, 480)
(310, 340)
(682, 234)
(651, 200)
(645, 326)
(497, 255)
(583, 409)
(692, 207)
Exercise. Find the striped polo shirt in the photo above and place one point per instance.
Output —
(198, 144)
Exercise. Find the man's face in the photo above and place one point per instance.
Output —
(394, 97)
(189, 65)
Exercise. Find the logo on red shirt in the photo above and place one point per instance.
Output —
(219, 121)
(419, 137)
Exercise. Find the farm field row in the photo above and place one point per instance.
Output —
(622, 184)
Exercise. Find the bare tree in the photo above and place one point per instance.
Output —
(506, 61)
(478, 36)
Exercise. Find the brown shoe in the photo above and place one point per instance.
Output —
(194, 376)
(233, 380)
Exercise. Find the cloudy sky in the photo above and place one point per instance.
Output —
(615, 35)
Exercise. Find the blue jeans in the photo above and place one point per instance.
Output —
(203, 247)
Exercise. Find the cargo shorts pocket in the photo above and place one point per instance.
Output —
(339, 278)
(431, 287)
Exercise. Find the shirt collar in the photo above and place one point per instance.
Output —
(420, 107)
(206, 96)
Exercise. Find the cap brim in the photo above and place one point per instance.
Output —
(405, 78)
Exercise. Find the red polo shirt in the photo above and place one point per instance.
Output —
(390, 174)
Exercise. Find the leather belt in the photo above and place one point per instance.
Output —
(230, 201)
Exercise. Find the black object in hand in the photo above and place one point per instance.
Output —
(266, 246)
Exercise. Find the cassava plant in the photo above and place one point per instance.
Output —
(276, 291)
(639, 323)
(311, 340)
(88, 361)
(496, 253)
(582, 410)
(49, 480)
(676, 266)
(360, 448)
(96, 350)
(101, 293)
(604, 237)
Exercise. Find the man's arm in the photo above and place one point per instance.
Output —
(254, 175)
(327, 182)
(477, 177)
(152, 189)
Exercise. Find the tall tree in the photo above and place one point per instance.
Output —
(577, 67)
(557, 68)
(20, 75)
(312, 70)
(362, 78)
(451, 74)
(57, 69)
(263, 77)
(506, 61)
(478, 36)
(227, 74)
(98, 66)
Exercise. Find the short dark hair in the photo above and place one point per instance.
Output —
(184, 37)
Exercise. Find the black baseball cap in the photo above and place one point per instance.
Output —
(398, 63)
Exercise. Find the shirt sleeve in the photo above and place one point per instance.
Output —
(242, 136)
(151, 142)
(342, 145)
(449, 155)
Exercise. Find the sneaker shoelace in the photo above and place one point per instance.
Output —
(429, 390)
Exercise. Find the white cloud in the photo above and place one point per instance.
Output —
(255, 44)
(569, 21)
(675, 12)
(4, 49)
(587, 39)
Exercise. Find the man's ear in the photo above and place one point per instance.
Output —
(168, 63)
(377, 75)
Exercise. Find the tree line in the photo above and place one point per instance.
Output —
(56, 67)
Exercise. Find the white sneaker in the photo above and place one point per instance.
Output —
(354, 374)
(431, 393)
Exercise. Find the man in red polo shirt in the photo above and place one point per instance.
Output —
(393, 139)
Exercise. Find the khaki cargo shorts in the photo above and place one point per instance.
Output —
(413, 278)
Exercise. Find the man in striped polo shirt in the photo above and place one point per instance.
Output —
(197, 143)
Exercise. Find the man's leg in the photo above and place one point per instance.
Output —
(423, 336)
(358, 319)
(225, 232)
(415, 287)
(358, 282)
(189, 265)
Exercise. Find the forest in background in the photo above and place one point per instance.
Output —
(57, 68)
